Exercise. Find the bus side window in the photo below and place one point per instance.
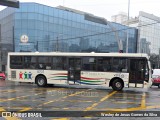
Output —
(59, 63)
(33, 63)
(48, 66)
(89, 63)
(104, 64)
(16, 62)
(107, 66)
(44, 62)
(119, 64)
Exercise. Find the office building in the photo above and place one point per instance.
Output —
(36, 27)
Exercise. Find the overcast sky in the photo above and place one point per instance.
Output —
(105, 8)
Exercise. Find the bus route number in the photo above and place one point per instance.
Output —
(40, 71)
(119, 75)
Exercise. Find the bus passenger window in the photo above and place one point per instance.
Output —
(48, 66)
(16, 62)
(119, 64)
(44, 62)
(104, 64)
(89, 63)
(59, 63)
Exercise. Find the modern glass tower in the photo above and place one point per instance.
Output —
(61, 29)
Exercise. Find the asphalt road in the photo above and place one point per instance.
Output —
(84, 102)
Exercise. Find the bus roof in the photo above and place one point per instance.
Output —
(80, 54)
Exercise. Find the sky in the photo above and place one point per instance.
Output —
(105, 8)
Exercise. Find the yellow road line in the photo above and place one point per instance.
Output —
(61, 119)
(28, 108)
(127, 93)
(78, 100)
(143, 101)
(8, 91)
(25, 109)
(101, 100)
(126, 97)
(125, 102)
(10, 99)
(87, 96)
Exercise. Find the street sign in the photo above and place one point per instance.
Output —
(10, 3)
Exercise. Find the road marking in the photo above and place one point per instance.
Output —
(25, 109)
(87, 96)
(101, 100)
(8, 91)
(78, 100)
(143, 101)
(61, 119)
(10, 99)
(129, 94)
(125, 102)
(62, 98)
(126, 97)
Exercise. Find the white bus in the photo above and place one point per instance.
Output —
(116, 70)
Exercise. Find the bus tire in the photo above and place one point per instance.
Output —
(41, 81)
(117, 85)
(159, 86)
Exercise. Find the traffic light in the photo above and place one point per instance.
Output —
(10, 3)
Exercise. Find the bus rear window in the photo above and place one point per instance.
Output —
(16, 62)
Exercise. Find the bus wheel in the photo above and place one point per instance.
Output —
(41, 81)
(159, 86)
(117, 85)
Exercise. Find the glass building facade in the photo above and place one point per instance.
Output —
(62, 29)
(149, 33)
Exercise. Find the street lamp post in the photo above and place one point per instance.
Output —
(128, 26)
(58, 46)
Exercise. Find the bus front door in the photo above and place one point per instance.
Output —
(74, 70)
(137, 71)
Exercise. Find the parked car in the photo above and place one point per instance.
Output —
(2, 75)
(156, 80)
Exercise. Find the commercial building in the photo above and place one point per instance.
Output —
(36, 27)
(148, 26)
(119, 18)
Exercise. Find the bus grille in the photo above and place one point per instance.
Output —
(13, 74)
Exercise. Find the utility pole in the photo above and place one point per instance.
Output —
(37, 46)
(57, 45)
(128, 26)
